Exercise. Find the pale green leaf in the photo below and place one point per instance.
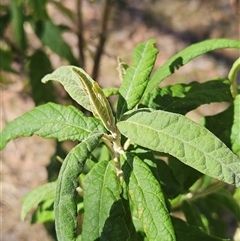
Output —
(186, 55)
(106, 213)
(147, 197)
(34, 197)
(184, 139)
(235, 134)
(136, 77)
(65, 205)
(110, 91)
(100, 106)
(51, 121)
(71, 83)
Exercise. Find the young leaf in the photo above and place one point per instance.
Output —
(136, 77)
(186, 55)
(65, 205)
(182, 98)
(235, 134)
(100, 106)
(33, 198)
(184, 139)
(106, 212)
(146, 195)
(186, 232)
(71, 83)
(51, 121)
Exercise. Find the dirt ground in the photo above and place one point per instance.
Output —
(174, 24)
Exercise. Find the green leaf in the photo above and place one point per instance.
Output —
(235, 134)
(224, 198)
(186, 232)
(100, 106)
(122, 69)
(110, 91)
(65, 205)
(7, 57)
(184, 139)
(107, 214)
(70, 81)
(39, 66)
(44, 212)
(4, 18)
(182, 98)
(147, 197)
(52, 37)
(36, 196)
(185, 175)
(161, 172)
(192, 214)
(51, 121)
(38, 8)
(136, 77)
(17, 23)
(220, 125)
(186, 55)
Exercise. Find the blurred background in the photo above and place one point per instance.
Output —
(38, 36)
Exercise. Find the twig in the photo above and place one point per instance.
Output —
(102, 37)
(80, 34)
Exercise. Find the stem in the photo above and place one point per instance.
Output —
(80, 34)
(193, 196)
(102, 37)
(232, 76)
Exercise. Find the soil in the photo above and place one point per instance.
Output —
(174, 24)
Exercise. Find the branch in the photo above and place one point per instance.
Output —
(102, 37)
(81, 43)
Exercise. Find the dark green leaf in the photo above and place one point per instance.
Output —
(51, 121)
(221, 124)
(224, 199)
(185, 232)
(192, 214)
(107, 214)
(17, 23)
(136, 77)
(182, 98)
(184, 174)
(65, 205)
(38, 8)
(188, 141)
(52, 37)
(186, 55)
(147, 197)
(39, 66)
